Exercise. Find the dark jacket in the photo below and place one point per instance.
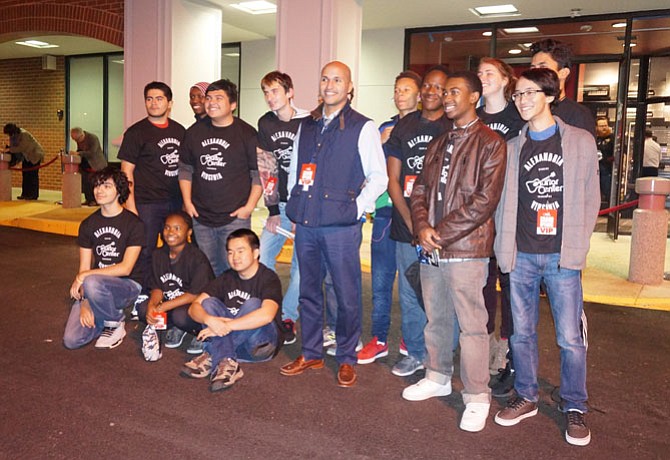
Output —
(331, 201)
(474, 185)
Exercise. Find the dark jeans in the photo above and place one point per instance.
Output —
(30, 186)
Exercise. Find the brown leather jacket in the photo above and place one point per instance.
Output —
(474, 185)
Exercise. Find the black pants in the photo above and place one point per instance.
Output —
(30, 187)
(86, 185)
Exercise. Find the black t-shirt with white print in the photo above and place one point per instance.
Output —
(408, 143)
(222, 159)
(155, 153)
(277, 136)
(507, 122)
(188, 273)
(541, 180)
(109, 237)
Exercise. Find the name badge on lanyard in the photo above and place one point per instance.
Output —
(547, 221)
(307, 174)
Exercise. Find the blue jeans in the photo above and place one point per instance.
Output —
(212, 241)
(336, 250)
(564, 289)
(107, 296)
(382, 249)
(271, 245)
(413, 318)
(153, 216)
(252, 345)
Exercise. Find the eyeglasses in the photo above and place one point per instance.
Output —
(529, 93)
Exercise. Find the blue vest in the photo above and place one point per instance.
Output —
(331, 200)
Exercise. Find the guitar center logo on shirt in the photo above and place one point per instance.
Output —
(172, 286)
(284, 142)
(213, 162)
(418, 144)
(171, 156)
(107, 251)
(544, 185)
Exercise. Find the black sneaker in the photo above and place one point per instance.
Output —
(502, 385)
(288, 331)
(576, 432)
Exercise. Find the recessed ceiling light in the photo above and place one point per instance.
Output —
(488, 33)
(256, 7)
(495, 11)
(514, 51)
(36, 44)
(521, 30)
(618, 25)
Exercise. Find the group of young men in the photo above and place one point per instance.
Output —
(455, 190)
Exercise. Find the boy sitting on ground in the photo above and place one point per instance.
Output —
(110, 241)
(180, 271)
(240, 313)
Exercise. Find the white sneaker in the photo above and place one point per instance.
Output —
(150, 345)
(474, 417)
(112, 335)
(332, 350)
(425, 389)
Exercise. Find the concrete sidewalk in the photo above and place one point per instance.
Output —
(605, 278)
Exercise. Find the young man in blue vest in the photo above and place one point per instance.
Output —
(339, 165)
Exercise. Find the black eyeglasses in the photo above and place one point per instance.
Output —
(529, 93)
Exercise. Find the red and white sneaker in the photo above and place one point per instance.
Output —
(403, 349)
(372, 350)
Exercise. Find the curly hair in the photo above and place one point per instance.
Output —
(118, 177)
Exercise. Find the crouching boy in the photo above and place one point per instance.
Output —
(110, 241)
(240, 313)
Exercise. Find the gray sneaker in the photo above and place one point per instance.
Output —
(577, 433)
(227, 373)
(332, 350)
(328, 337)
(196, 347)
(517, 409)
(174, 337)
(407, 366)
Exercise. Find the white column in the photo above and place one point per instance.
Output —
(311, 33)
(174, 41)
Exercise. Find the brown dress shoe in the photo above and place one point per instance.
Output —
(346, 376)
(300, 365)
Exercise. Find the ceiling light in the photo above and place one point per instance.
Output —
(514, 51)
(521, 30)
(488, 33)
(256, 7)
(495, 11)
(232, 54)
(36, 44)
(618, 25)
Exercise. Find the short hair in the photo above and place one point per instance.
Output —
(159, 85)
(435, 68)
(11, 129)
(471, 80)
(559, 51)
(248, 235)
(415, 77)
(118, 177)
(283, 79)
(603, 118)
(226, 86)
(546, 79)
(648, 133)
(183, 215)
(505, 70)
(77, 130)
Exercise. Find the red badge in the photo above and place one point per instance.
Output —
(270, 186)
(547, 221)
(409, 186)
(307, 174)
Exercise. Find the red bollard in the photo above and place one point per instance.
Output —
(650, 231)
(71, 181)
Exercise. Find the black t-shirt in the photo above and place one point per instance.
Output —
(222, 159)
(540, 191)
(408, 143)
(155, 153)
(233, 291)
(277, 136)
(109, 237)
(189, 273)
(575, 114)
(507, 122)
(606, 148)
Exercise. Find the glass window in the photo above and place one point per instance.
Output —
(115, 65)
(457, 50)
(85, 96)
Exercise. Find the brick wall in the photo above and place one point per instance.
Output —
(30, 97)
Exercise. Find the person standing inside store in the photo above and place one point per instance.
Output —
(23, 145)
(652, 155)
(92, 160)
(605, 145)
